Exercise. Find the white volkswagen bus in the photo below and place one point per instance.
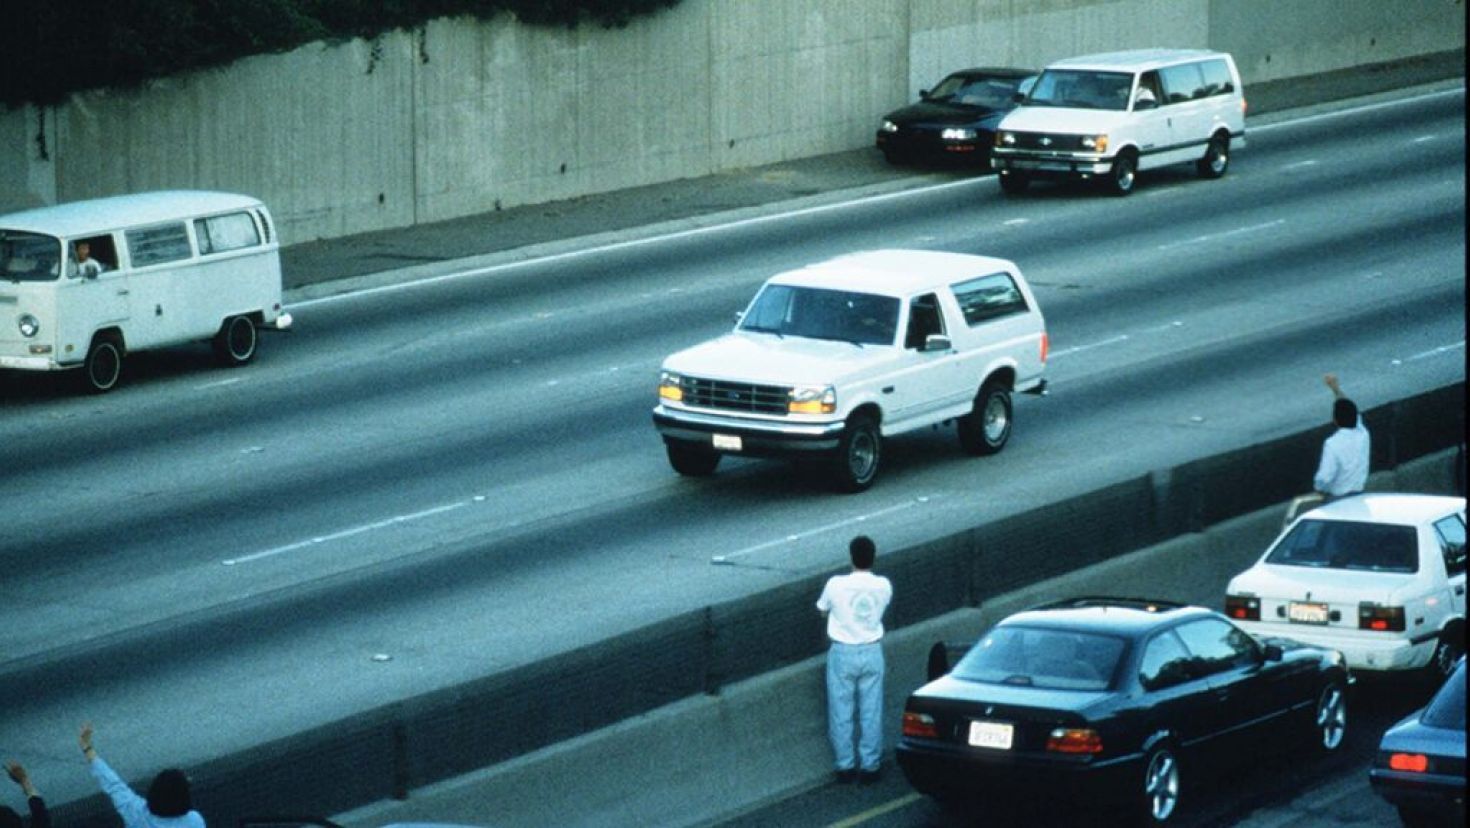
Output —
(83, 284)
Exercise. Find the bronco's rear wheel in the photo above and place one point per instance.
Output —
(987, 427)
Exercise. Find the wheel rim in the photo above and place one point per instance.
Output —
(241, 338)
(1445, 658)
(862, 456)
(1332, 717)
(104, 366)
(997, 422)
(1219, 158)
(1124, 175)
(1161, 785)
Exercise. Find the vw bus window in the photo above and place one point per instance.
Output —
(29, 257)
(220, 234)
(158, 244)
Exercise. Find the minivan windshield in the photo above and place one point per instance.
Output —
(1343, 544)
(1081, 89)
(819, 313)
(29, 257)
(1049, 658)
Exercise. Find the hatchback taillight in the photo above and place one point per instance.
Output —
(1412, 762)
(1380, 618)
(1243, 607)
(1074, 740)
(920, 725)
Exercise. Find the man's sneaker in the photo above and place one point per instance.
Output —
(869, 777)
(847, 777)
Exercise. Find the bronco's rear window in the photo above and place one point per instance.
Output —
(1340, 544)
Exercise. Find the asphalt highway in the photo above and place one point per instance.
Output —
(431, 481)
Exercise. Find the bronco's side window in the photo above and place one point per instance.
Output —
(989, 297)
(924, 319)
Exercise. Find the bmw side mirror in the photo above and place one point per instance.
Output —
(923, 94)
(1273, 652)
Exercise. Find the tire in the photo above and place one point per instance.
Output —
(987, 428)
(1013, 183)
(103, 366)
(859, 454)
(1447, 652)
(236, 340)
(1330, 718)
(1123, 175)
(1158, 795)
(692, 460)
(1216, 159)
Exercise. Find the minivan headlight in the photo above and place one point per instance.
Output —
(29, 325)
(817, 399)
(1005, 138)
(1096, 143)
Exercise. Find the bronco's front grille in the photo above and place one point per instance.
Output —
(736, 396)
(1046, 141)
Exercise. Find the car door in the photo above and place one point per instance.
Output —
(1232, 664)
(1174, 698)
(1188, 112)
(1150, 119)
(1450, 532)
(922, 382)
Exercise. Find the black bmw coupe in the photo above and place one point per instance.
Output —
(954, 121)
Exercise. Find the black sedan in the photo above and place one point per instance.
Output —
(1109, 700)
(955, 120)
(1420, 764)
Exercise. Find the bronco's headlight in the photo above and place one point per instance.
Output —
(817, 399)
(670, 386)
(29, 325)
(958, 134)
(888, 126)
(1005, 138)
(1096, 143)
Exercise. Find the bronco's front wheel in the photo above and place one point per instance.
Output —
(859, 452)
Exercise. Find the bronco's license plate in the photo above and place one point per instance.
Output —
(1299, 612)
(728, 442)
(996, 735)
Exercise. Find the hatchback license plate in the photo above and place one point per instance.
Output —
(1299, 612)
(997, 735)
(728, 442)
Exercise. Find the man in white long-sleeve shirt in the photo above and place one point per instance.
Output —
(168, 804)
(854, 604)
(1344, 467)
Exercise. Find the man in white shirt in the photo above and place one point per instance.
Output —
(1344, 467)
(854, 604)
(86, 266)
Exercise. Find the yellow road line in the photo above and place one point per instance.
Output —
(874, 813)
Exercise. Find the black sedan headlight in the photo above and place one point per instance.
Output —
(958, 134)
(888, 126)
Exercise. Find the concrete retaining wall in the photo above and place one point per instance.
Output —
(698, 657)
(461, 117)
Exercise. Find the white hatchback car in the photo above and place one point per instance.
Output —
(1378, 577)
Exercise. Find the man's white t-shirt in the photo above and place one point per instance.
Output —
(1344, 466)
(854, 604)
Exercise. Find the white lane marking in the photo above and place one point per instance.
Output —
(729, 556)
(1016, 222)
(345, 533)
(217, 384)
(1422, 138)
(1356, 110)
(1213, 236)
(1080, 348)
(1433, 352)
(1310, 162)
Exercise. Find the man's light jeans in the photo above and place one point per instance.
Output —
(855, 686)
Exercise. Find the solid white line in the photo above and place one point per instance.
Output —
(1213, 236)
(1078, 349)
(345, 533)
(217, 384)
(1422, 138)
(1443, 349)
(1357, 110)
(817, 531)
(1310, 162)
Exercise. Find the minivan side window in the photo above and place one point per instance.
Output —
(989, 297)
(1451, 533)
(1182, 83)
(1217, 77)
(158, 244)
(224, 233)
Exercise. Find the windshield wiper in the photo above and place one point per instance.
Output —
(764, 330)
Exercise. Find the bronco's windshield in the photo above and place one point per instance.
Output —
(1081, 89)
(29, 257)
(817, 313)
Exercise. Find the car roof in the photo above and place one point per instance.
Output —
(1132, 60)
(995, 72)
(1129, 617)
(100, 215)
(899, 273)
(1395, 508)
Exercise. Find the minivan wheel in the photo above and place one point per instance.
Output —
(1216, 159)
(692, 460)
(1123, 175)
(235, 342)
(859, 453)
(1013, 183)
(103, 365)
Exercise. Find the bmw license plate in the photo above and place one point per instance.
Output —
(1300, 612)
(997, 735)
(728, 442)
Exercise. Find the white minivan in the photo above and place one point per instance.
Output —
(84, 283)
(1107, 116)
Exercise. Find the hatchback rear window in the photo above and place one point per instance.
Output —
(1338, 544)
(1447, 708)
(1055, 659)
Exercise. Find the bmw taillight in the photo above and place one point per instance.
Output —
(919, 725)
(1243, 607)
(1380, 618)
(1074, 740)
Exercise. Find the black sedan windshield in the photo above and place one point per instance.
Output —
(969, 90)
(815, 313)
(1055, 659)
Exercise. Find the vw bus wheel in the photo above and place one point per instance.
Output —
(103, 366)
(235, 342)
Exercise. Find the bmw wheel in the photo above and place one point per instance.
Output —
(1330, 723)
(1160, 794)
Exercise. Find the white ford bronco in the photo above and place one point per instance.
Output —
(830, 359)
